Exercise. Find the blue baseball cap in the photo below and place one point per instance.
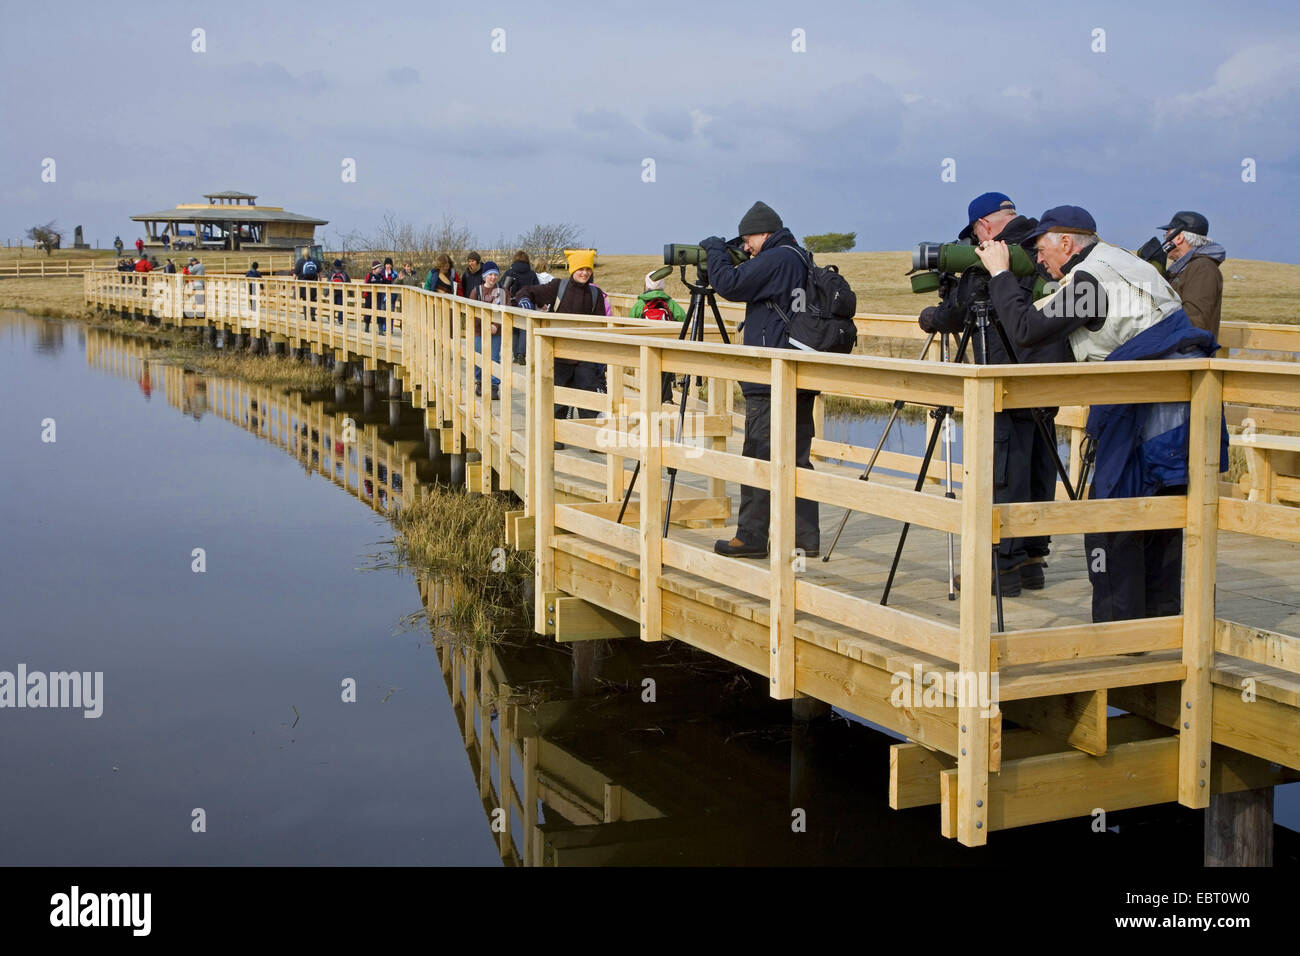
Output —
(983, 205)
(1063, 219)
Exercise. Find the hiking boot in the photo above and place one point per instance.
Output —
(478, 389)
(521, 360)
(735, 548)
(496, 393)
(1031, 574)
(559, 446)
(1009, 579)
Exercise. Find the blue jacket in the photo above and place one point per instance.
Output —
(770, 275)
(1143, 448)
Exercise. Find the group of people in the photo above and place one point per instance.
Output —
(150, 264)
(1105, 304)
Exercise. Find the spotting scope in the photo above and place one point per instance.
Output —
(931, 260)
(682, 254)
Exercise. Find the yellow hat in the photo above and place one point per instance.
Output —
(580, 259)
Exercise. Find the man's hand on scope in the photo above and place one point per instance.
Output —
(995, 256)
(713, 240)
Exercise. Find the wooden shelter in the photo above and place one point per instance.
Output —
(229, 220)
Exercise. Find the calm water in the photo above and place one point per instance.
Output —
(222, 689)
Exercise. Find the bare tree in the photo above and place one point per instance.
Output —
(47, 236)
(404, 239)
(545, 243)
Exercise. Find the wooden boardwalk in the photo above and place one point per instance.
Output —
(1212, 697)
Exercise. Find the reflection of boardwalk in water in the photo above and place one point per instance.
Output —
(368, 459)
(576, 767)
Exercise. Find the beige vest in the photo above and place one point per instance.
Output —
(1137, 297)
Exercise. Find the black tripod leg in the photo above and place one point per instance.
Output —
(672, 472)
(1038, 415)
(866, 472)
(920, 483)
(627, 493)
(692, 308)
(1039, 420)
(997, 588)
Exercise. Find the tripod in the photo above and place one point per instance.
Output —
(980, 312)
(701, 294)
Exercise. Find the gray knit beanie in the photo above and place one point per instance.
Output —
(760, 218)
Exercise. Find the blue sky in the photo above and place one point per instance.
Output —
(849, 135)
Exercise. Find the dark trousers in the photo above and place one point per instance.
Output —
(520, 341)
(1136, 573)
(1023, 470)
(588, 376)
(755, 502)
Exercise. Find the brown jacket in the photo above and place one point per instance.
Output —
(1200, 286)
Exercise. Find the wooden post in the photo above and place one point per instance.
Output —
(529, 821)
(507, 400)
(1200, 550)
(781, 503)
(1239, 829)
(976, 605)
(542, 471)
(614, 481)
(651, 530)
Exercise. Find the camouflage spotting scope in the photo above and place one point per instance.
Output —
(682, 254)
(933, 260)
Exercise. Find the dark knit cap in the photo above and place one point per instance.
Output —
(760, 218)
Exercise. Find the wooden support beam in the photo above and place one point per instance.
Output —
(579, 620)
(972, 773)
(525, 532)
(1060, 786)
(1264, 728)
(542, 476)
(510, 528)
(1078, 720)
(1239, 829)
(1200, 553)
(782, 528)
(651, 489)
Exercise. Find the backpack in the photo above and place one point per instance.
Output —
(595, 297)
(656, 308)
(309, 269)
(825, 324)
(337, 276)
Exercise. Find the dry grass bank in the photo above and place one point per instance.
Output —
(454, 536)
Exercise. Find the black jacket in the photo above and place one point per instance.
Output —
(772, 275)
(522, 273)
(471, 281)
(1029, 328)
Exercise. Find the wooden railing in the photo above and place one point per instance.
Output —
(37, 267)
(793, 613)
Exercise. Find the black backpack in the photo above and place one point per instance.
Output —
(825, 324)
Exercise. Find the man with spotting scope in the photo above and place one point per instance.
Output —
(1024, 468)
(1110, 304)
(776, 268)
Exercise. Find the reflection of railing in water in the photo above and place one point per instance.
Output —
(819, 630)
(377, 471)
